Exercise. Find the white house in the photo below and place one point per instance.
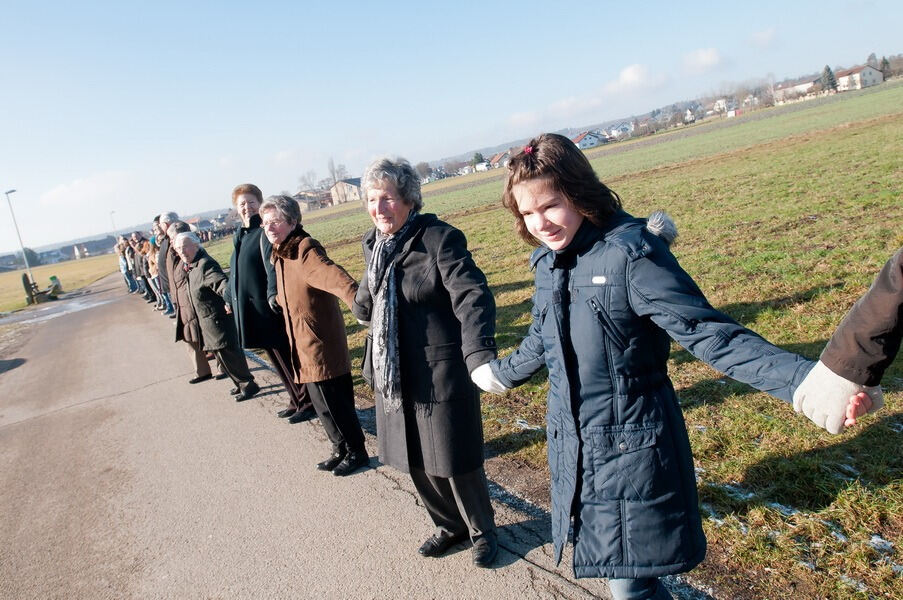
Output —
(621, 129)
(589, 139)
(788, 90)
(858, 78)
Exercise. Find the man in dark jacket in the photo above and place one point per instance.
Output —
(206, 284)
(163, 222)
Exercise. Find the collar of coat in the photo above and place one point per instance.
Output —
(658, 223)
(288, 248)
(255, 222)
(420, 222)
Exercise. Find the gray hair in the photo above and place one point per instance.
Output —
(169, 217)
(285, 206)
(399, 173)
(186, 236)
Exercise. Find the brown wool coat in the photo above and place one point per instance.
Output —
(187, 326)
(308, 284)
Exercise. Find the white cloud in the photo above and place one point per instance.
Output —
(764, 38)
(634, 78)
(100, 189)
(701, 61)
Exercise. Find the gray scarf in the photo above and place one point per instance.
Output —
(384, 325)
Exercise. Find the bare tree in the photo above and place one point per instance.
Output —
(423, 169)
(308, 181)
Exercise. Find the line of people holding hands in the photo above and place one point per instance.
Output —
(609, 298)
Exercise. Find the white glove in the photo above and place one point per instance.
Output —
(486, 380)
(823, 396)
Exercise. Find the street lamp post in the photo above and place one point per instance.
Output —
(21, 245)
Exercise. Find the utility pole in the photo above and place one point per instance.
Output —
(19, 235)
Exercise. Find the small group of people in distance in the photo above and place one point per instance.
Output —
(609, 297)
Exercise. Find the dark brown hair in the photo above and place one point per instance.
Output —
(558, 160)
(247, 188)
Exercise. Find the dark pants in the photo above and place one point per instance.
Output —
(457, 504)
(298, 397)
(333, 400)
(234, 363)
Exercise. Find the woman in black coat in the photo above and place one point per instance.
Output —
(251, 296)
(432, 322)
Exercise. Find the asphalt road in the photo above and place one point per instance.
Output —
(118, 479)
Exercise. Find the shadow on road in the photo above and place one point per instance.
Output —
(10, 364)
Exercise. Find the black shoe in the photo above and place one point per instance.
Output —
(333, 461)
(484, 550)
(250, 389)
(439, 543)
(221, 376)
(235, 391)
(351, 463)
(285, 413)
(200, 378)
(302, 415)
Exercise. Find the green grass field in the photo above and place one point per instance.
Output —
(783, 221)
(785, 216)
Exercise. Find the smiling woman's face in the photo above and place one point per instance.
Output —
(275, 226)
(247, 205)
(386, 207)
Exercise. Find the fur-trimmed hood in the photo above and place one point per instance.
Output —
(662, 225)
(288, 248)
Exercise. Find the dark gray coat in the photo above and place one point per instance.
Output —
(252, 281)
(602, 313)
(162, 258)
(206, 286)
(447, 328)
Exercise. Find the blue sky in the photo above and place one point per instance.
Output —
(139, 108)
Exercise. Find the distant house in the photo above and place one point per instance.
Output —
(199, 224)
(590, 139)
(482, 166)
(309, 200)
(9, 262)
(621, 129)
(346, 190)
(689, 117)
(49, 257)
(500, 159)
(858, 78)
(789, 90)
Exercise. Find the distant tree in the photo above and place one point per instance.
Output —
(477, 158)
(885, 67)
(325, 183)
(828, 82)
(308, 181)
(423, 169)
(341, 172)
(872, 61)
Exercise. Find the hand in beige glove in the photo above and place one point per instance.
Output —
(486, 380)
(832, 402)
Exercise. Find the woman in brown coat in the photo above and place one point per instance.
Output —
(308, 283)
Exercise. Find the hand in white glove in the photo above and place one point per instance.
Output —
(832, 402)
(486, 380)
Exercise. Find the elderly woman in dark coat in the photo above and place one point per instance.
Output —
(188, 329)
(251, 296)
(206, 285)
(432, 322)
(308, 284)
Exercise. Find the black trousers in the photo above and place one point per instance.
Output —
(333, 399)
(298, 396)
(235, 364)
(457, 504)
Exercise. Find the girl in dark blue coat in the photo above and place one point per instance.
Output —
(609, 293)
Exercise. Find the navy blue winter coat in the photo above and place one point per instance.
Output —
(618, 449)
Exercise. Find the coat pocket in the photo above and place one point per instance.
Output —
(608, 324)
(629, 462)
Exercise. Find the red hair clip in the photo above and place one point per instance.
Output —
(528, 149)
